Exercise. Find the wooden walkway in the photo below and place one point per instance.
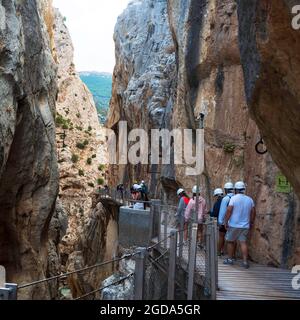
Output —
(256, 283)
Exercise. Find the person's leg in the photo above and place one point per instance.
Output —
(244, 248)
(221, 242)
(200, 234)
(186, 231)
(230, 248)
(234, 249)
(231, 237)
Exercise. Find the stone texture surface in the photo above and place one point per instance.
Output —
(143, 77)
(77, 123)
(97, 243)
(208, 74)
(28, 164)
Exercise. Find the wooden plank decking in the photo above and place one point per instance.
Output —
(256, 283)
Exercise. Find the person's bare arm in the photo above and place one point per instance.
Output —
(252, 216)
(228, 215)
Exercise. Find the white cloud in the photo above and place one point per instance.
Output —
(91, 24)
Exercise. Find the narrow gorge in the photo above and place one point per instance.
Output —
(235, 62)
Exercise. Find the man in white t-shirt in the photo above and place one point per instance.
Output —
(239, 220)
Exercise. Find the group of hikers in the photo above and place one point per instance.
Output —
(234, 210)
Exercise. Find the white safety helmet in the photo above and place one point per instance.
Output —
(228, 186)
(180, 191)
(240, 185)
(143, 182)
(137, 187)
(195, 189)
(218, 192)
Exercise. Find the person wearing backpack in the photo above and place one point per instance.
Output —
(183, 202)
(229, 191)
(218, 195)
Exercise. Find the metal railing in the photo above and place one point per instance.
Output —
(172, 249)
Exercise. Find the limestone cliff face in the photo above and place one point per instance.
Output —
(207, 77)
(92, 233)
(28, 164)
(144, 77)
(78, 141)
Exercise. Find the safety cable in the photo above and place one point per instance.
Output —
(76, 271)
(102, 288)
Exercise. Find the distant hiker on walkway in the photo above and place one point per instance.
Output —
(218, 195)
(229, 191)
(191, 208)
(183, 202)
(144, 187)
(106, 190)
(239, 220)
(120, 190)
(136, 193)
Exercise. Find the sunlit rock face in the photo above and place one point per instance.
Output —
(78, 136)
(92, 233)
(209, 75)
(28, 163)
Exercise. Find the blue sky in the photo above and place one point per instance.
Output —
(91, 24)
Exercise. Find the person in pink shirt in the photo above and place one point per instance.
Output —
(202, 211)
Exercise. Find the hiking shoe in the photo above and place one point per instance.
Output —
(245, 265)
(228, 262)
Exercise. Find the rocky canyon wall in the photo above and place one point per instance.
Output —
(92, 233)
(197, 44)
(28, 163)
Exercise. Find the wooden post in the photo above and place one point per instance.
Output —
(192, 261)
(172, 265)
(139, 275)
(207, 261)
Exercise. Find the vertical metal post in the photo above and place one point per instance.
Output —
(192, 261)
(158, 209)
(216, 233)
(139, 275)
(212, 257)
(155, 220)
(181, 234)
(207, 287)
(165, 229)
(8, 291)
(172, 265)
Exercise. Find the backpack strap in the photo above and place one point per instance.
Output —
(186, 200)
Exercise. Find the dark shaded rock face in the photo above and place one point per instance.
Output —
(230, 57)
(98, 243)
(28, 165)
(270, 56)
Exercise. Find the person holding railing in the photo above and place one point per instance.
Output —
(202, 211)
